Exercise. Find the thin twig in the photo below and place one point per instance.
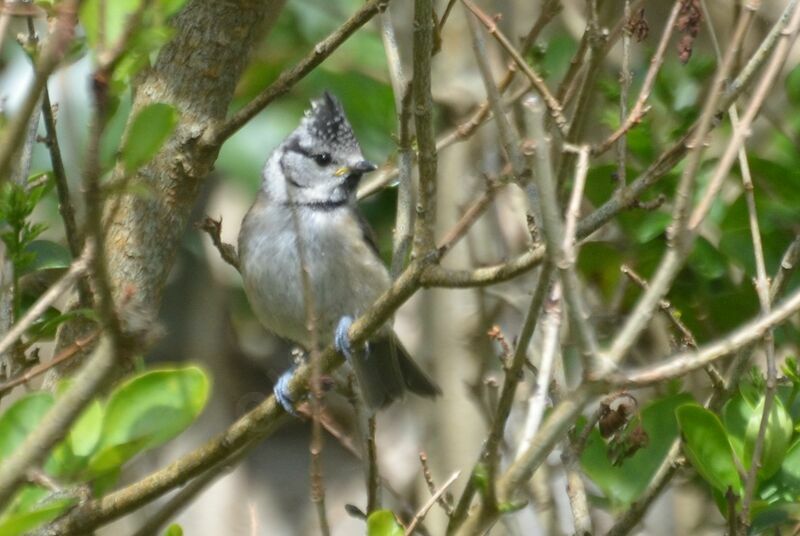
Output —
(54, 424)
(759, 95)
(553, 230)
(65, 206)
(288, 78)
(76, 348)
(373, 471)
(640, 107)
(47, 61)
(789, 264)
(673, 315)
(576, 492)
(625, 79)
(226, 251)
(470, 216)
(551, 338)
(684, 362)
(420, 515)
(76, 271)
(553, 106)
(513, 375)
(426, 474)
(681, 239)
(404, 220)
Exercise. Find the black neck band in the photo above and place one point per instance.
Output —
(324, 206)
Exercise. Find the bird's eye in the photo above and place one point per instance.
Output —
(322, 159)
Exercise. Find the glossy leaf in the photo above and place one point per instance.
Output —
(383, 523)
(149, 130)
(776, 437)
(147, 410)
(784, 486)
(85, 432)
(24, 500)
(20, 419)
(736, 415)
(110, 458)
(174, 530)
(25, 522)
(706, 445)
(47, 255)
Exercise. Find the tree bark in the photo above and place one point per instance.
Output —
(197, 73)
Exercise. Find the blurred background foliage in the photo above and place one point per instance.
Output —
(207, 317)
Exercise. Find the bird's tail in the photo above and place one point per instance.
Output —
(387, 371)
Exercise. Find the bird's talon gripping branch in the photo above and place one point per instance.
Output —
(341, 340)
(281, 390)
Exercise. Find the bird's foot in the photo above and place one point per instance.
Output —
(341, 340)
(282, 395)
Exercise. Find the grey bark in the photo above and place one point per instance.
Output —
(196, 73)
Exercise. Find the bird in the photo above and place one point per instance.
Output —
(306, 206)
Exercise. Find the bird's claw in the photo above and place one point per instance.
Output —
(341, 340)
(281, 390)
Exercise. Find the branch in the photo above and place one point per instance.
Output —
(47, 62)
(538, 83)
(640, 108)
(257, 424)
(511, 379)
(76, 271)
(686, 362)
(288, 78)
(68, 353)
(789, 264)
(214, 229)
(54, 424)
(423, 121)
(766, 83)
(420, 515)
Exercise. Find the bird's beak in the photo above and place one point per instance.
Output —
(359, 168)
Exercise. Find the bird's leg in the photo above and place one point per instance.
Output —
(281, 388)
(341, 340)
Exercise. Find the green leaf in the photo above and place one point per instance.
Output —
(25, 500)
(770, 519)
(174, 530)
(111, 458)
(736, 415)
(47, 325)
(651, 226)
(148, 410)
(85, 432)
(784, 486)
(20, 419)
(48, 255)
(116, 15)
(793, 85)
(150, 129)
(383, 523)
(776, 438)
(170, 7)
(707, 447)
(706, 260)
(624, 484)
(24, 522)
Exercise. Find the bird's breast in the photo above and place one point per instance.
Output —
(344, 276)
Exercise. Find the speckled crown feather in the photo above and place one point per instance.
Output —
(327, 122)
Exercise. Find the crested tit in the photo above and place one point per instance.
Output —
(308, 196)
